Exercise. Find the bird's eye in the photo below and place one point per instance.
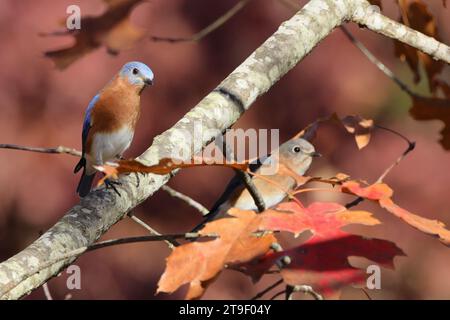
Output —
(296, 149)
(135, 71)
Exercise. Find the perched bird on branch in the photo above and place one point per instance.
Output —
(294, 157)
(110, 121)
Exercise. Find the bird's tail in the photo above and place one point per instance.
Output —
(86, 180)
(85, 184)
(80, 164)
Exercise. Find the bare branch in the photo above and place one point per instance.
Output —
(290, 290)
(388, 72)
(409, 148)
(99, 245)
(276, 295)
(210, 28)
(269, 288)
(47, 293)
(59, 149)
(95, 214)
(244, 176)
(171, 243)
(176, 194)
(163, 237)
(248, 182)
(365, 15)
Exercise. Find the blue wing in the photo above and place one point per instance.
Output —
(87, 121)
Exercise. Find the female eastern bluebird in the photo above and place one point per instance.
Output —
(296, 154)
(110, 120)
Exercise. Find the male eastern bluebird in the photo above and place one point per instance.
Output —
(110, 120)
(296, 154)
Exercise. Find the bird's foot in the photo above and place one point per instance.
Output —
(112, 184)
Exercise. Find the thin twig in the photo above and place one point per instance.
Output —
(281, 263)
(176, 194)
(171, 243)
(388, 72)
(103, 244)
(276, 295)
(269, 288)
(284, 260)
(369, 55)
(409, 148)
(244, 176)
(113, 242)
(251, 188)
(290, 290)
(380, 65)
(47, 293)
(366, 293)
(65, 150)
(59, 149)
(210, 28)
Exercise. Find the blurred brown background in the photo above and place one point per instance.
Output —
(42, 106)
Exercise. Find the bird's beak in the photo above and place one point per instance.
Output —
(315, 154)
(148, 81)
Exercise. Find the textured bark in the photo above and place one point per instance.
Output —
(86, 222)
(366, 16)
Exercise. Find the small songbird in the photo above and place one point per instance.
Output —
(296, 155)
(110, 120)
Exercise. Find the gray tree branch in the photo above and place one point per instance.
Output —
(82, 225)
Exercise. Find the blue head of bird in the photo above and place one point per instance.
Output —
(137, 73)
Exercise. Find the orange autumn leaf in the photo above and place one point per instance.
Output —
(433, 227)
(322, 218)
(322, 261)
(381, 193)
(112, 29)
(198, 263)
(165, 166)
(373, 192)
(415, 14)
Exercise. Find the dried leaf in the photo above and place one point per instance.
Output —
(383, 194)
(434, 109)
(322, 218)
(415, 14)
(165, 166)
(431, 227)
(374, 192)
(112, 29)
(322, 261)
(198, 263)
(360, 127)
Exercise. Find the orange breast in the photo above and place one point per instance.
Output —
(117, 106)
